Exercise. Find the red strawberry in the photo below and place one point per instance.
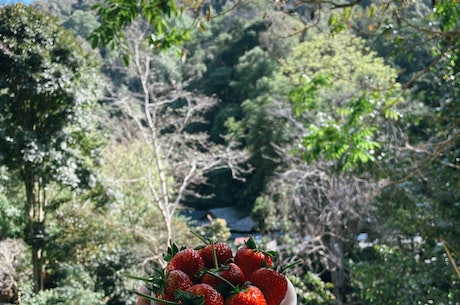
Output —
(164, 285)
(202, 294)
(189, 261)
(223, 254)
(231, 272)
(272, 283)
(174, 280)
(249, 258)
(247, 295)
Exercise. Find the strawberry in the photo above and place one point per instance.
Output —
(249, 258)
(231, 272)
(200, 294)
(223, 254)
(174, 280)
(164, 283)
(189, 261)
(247, 295)
(272, 283)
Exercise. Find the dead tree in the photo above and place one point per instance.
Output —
(167, 118)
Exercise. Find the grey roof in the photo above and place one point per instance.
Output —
(245, 224)
(236, 221)
(230, 214)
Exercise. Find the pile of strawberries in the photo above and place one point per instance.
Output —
(212, 275)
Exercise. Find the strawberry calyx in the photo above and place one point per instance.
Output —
(213, 252)
(186, 297)
(152, 298)
(226, 288)
(183, 297)
(171, 251)
(154, 282)
(251, 244)
(247, 294)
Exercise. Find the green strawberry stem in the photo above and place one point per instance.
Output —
(202, 238)
(288, 266)
(149, 297)
(207, 241)
(133, 277)
(214, 255)
(221, 278)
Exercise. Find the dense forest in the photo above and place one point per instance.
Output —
(328, 130)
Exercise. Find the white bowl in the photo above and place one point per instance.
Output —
(289, 299)
(291, 295)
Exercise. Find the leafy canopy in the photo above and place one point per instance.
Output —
(344, 93)
(47, 88)
(116, 15)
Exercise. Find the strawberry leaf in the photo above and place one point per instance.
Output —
(186, 297)
(172, 251)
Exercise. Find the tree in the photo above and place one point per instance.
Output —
(416, 210)
(234, 59)
(340, 93)
(47, 89)
(345, 94)
(81, 23)
(167, 120)
(116, 15)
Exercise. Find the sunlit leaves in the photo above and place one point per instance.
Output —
(116, 15)
(348, 140)
(303, 97)
(343, 94)
(448, 12)
(340, 21)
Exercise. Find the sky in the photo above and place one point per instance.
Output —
(13, 1)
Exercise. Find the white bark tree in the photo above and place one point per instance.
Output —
(166, 117)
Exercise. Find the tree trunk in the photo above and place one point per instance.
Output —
(337, 272)
(37, 263)
(35, 227)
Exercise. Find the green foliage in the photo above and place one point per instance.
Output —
(105, 242)
(47, 132)
(12, 207)
(343, 93)
(46, 87)
(266, 213)
(234, 60)
(81, 23)
(11, 218)
(249, 74)
(116, 15)
(76, 287)
(216, 230)
(448, 13)
(339, 22)
(263, 130)
(398, 276)
(109, 266)
(304, 97)
(312, 290)
(348, 141)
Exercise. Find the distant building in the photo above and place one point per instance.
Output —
(240, 225)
